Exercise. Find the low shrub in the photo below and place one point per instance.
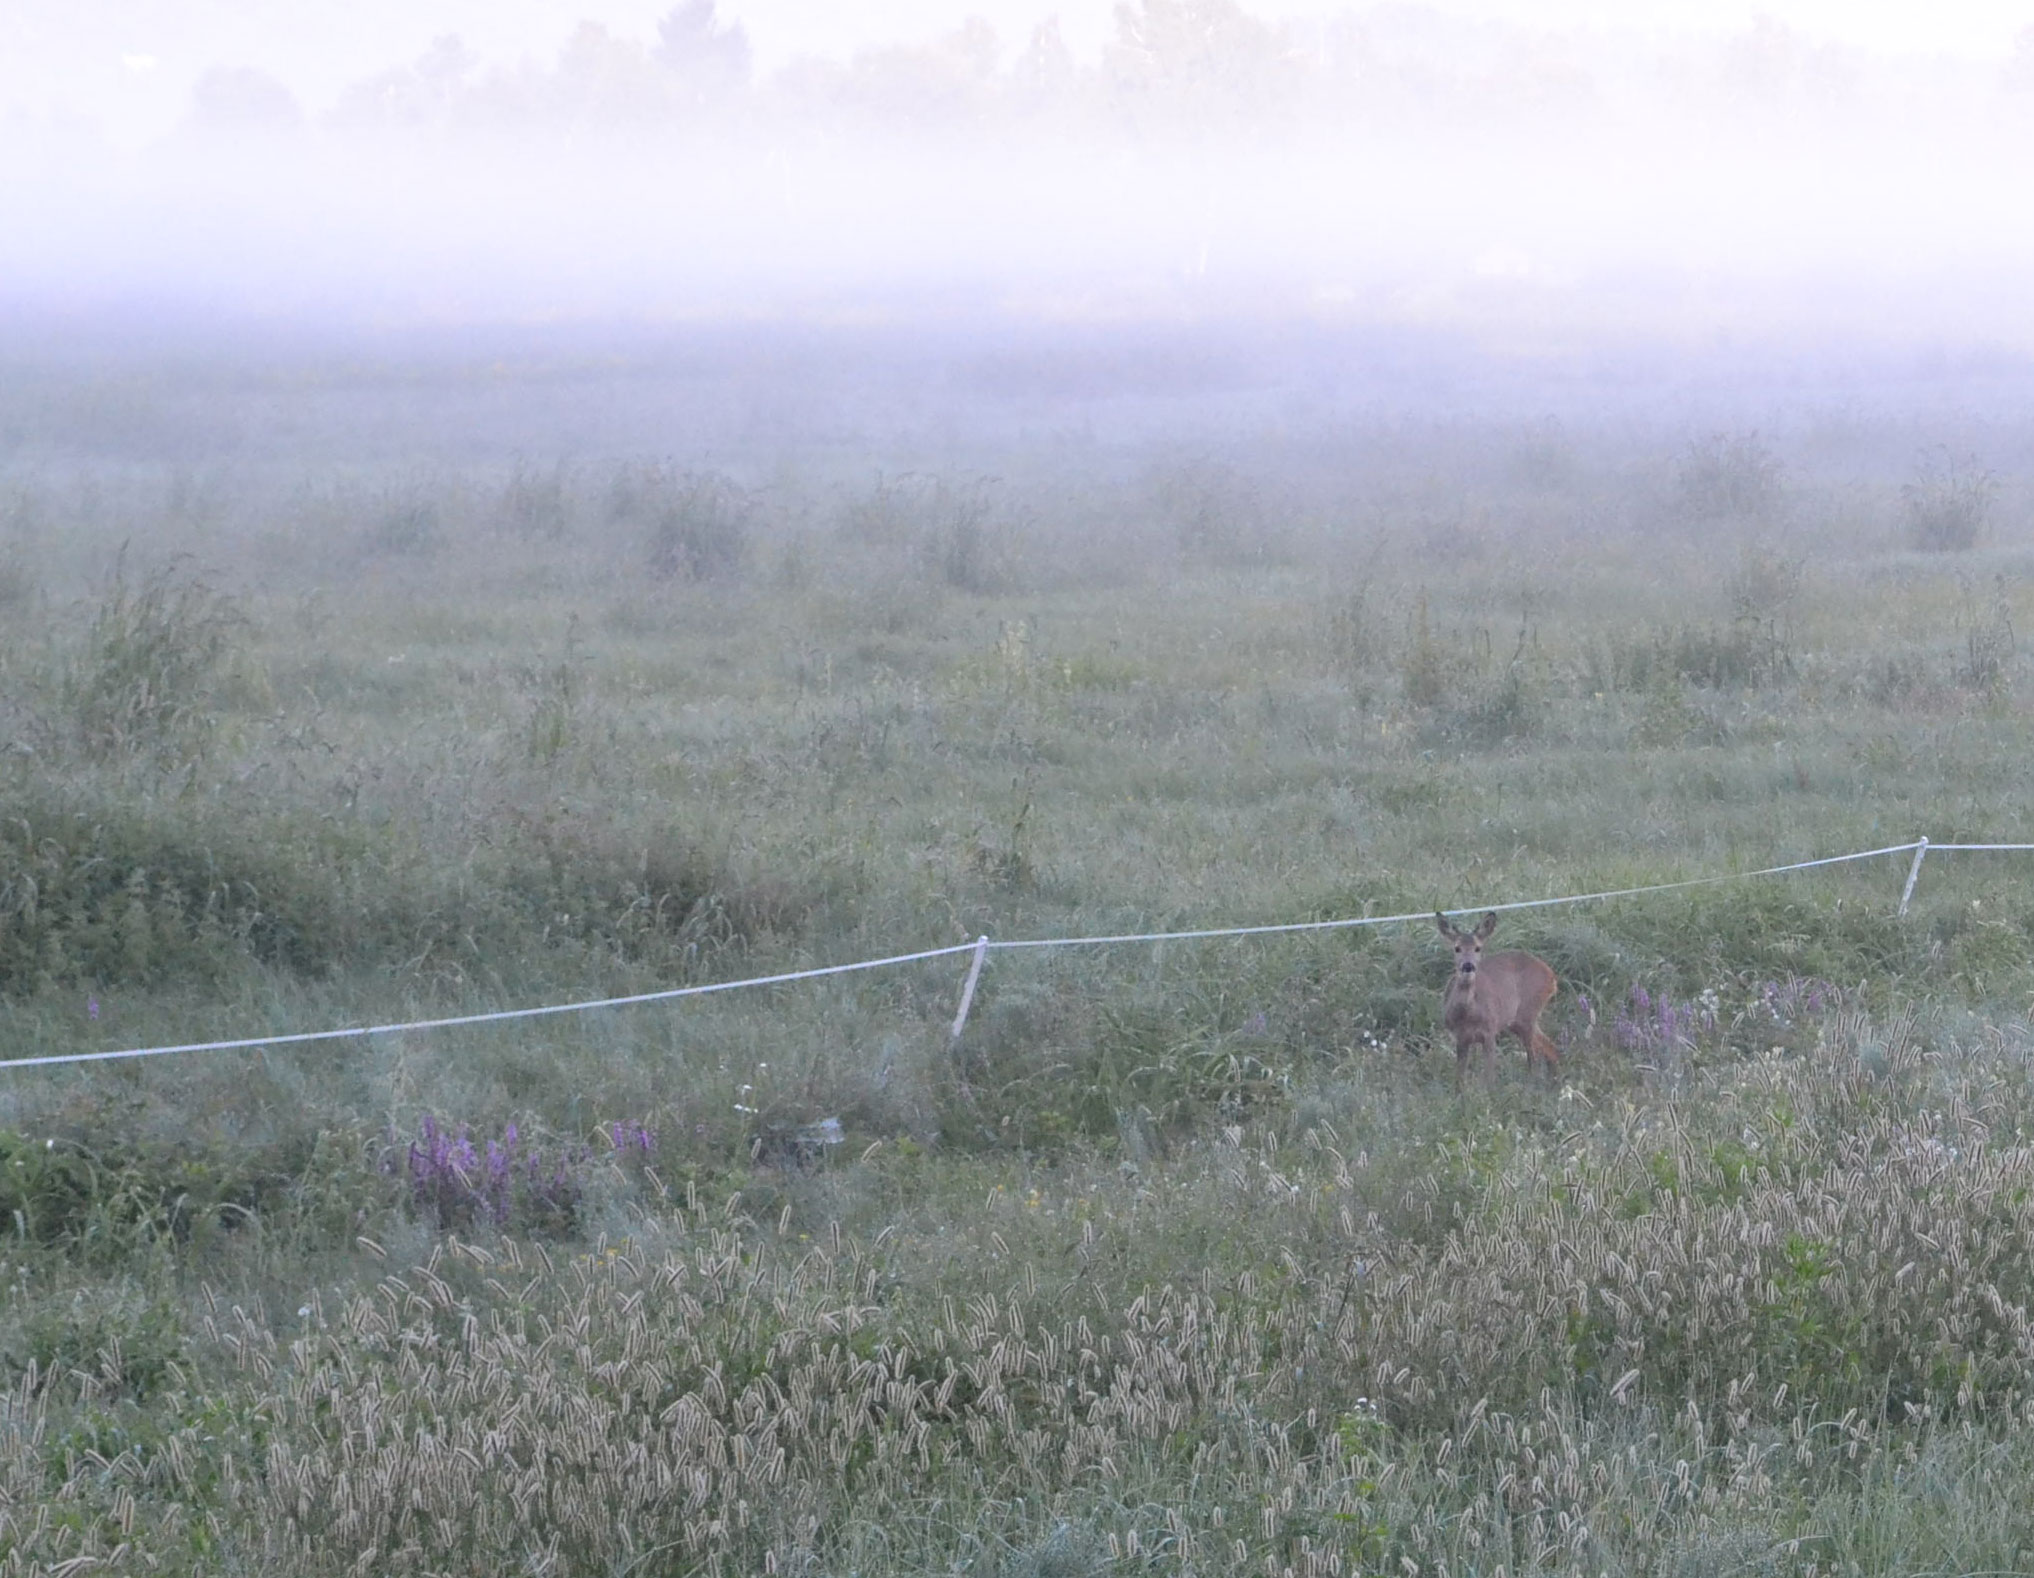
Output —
(1989, 644)
(1057, 1071)
(534, 503)
(1764, 932)
(1216, 512)
(963, 545)
(125, 890)
(1743, 655)
(101, 889)
(126, 1347)
(1424, 669)
(1948, 503)
(658, 894)
(699, 526)
(1512, 708)
(102, 1194)
(406, 525)
(1354, 639)
(1728, 477)
(950, 529)
(150, 664)
(891, 513)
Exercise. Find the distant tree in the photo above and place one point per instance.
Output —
(426, 93)
(447, 63)
(1772, 65)
(239, 99)
(2019, 73)
(949, 84)
(605, 79)
(711, 57)
(1197, 61)
(1046, 79)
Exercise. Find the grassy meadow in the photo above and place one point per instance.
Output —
(1185, 1258)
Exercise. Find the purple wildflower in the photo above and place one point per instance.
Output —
(502, 1181)
(1654, 1023)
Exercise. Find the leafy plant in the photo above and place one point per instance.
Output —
(126, 1348)
(106, 1193)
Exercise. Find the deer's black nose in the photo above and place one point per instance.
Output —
(1468, 966)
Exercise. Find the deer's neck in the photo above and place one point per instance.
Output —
(1461, 995)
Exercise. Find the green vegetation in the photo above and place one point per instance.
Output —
(1184, 1259)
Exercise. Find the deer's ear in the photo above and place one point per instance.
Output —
(1441, 925)
(1489, 925)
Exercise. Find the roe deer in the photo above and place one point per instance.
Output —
(1493, 995)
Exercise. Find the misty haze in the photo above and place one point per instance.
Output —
(730, 737)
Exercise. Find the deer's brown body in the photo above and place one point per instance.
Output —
(1495, 994)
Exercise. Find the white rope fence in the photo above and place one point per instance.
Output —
(1474, 909)
(982, 946)
(489, 1019)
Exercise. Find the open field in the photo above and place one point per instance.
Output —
(1184, 1260)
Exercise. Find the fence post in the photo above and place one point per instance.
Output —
(1913, 872)
(968, 991)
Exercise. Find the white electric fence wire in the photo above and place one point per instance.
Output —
(1420, 915)
(493, 1018)
(979, 948)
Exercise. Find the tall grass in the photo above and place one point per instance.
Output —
(1627, 1332)
(1181, 1259)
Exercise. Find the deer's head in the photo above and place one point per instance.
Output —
(1468, 945)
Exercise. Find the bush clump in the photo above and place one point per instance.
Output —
(1949, 503)
(406, 525)
(99, 891)
(1728, 477)
(949, 528)
(1744, 655)
(130, 1348)
(146, 676)
(102, 1196)
(1216, 512)
(126, 892)
(651, 896)
(534, 503)
(699, 527)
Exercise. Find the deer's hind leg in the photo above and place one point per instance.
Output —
(1538, 1050)
(1549, 1054)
